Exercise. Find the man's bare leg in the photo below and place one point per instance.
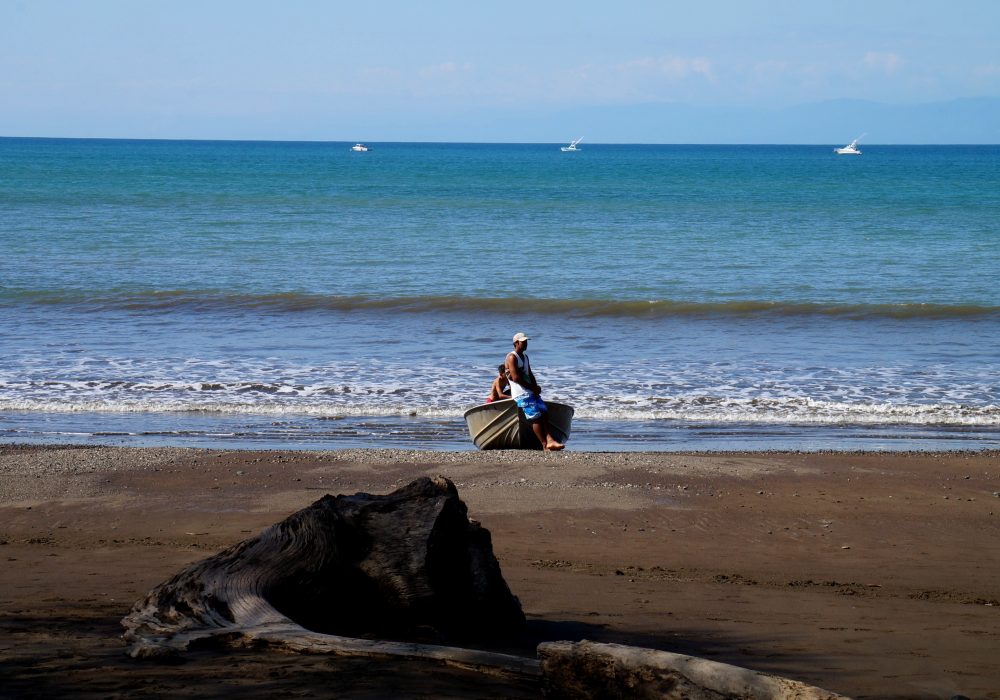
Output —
(549, 444)
(540, 434)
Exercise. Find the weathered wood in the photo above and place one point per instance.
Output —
(590, 671)
(296, 639)
(409, 565)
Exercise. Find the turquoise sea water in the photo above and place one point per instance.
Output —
(680, 297)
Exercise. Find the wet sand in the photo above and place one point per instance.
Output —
(870, 574)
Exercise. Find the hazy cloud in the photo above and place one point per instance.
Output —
(670, 66)
(445, 69)
(771, 67)
(884, 61)
(650, 78)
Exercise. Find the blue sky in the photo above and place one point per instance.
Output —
(707, 71)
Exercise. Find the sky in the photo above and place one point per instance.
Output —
(710, 71)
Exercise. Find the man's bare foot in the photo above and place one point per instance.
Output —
(553, 446)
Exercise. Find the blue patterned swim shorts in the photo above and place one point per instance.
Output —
(532, 405)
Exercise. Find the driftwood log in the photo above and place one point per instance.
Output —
(412, 567)
(591, 671)
(408, 566)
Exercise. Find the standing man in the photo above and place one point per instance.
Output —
(525, 390)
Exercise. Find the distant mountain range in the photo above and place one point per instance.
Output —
(956, 121)
(969, 121)
(830, 123)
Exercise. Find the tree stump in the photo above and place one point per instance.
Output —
(407, 566)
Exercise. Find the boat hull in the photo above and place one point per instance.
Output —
(501, 425)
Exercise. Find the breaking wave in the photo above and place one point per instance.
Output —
(292, 302)
(790, 411)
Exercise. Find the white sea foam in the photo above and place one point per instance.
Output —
(712, 392)
(799, 411)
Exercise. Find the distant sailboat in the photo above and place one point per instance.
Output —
(572, 146)
(850, 149)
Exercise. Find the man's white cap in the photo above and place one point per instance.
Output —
(518, 337)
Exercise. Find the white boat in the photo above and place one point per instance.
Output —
(360, 147)
(501, 425)
(572, 146)
(850, 149)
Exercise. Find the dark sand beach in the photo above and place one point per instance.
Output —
(869, 574)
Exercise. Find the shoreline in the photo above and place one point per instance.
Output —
(237, 431)
(403, 452)
(869, 573)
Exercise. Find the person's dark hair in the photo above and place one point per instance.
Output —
(501, 368)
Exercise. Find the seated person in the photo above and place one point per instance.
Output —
(501, 386)
(525, 390)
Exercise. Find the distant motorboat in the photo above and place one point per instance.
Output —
(850, 149)
(572, 146)
(501, 425)
(360, 147)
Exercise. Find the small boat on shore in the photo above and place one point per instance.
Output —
(501, 425)
(572, 146)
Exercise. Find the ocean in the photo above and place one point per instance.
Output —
(300, 295)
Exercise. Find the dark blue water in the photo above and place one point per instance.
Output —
(688, 297)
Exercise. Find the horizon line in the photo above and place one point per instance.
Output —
(468, 143)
